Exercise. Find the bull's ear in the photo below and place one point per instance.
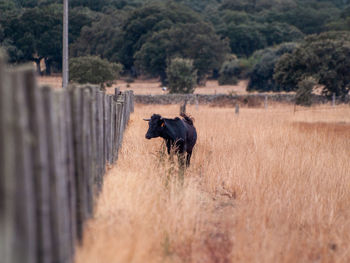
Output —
(162, 122)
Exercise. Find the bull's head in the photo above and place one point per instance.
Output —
(156, 125)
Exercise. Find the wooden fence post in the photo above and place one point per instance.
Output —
(7, 165)
(41, 173)
(107, 119)
(99, 138)
(54, 145)
(132, 106)
(81, 194)
(25, 207)
(70, 159)
(87, 150)
(119, 113)
(112, 120)
(121, 120)
(58, 182)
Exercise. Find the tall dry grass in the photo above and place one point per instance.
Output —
(264, 186)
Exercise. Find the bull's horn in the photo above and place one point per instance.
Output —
(146, 119)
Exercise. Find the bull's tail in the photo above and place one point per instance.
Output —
(187, 118)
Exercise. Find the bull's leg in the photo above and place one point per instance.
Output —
(188, 159)
(181, 157)
(169, 145)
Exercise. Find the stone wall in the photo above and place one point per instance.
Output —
(220, 99)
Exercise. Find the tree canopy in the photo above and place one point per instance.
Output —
(324, 57)
(145, 35)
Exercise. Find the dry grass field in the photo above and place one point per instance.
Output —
(265, 186)
(153, 86)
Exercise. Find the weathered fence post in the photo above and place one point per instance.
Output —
(81, 194)
(70, 168)
(183, 107)
(99, 139)
(7, 159)
(87, 149)
(41, 173)
(237, 109)
(54, 146)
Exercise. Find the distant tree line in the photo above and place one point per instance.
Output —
(276, 44)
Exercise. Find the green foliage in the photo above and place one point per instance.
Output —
(261, 76)
(244, 38)
(181, 76)
(102, 38)
(34, 34)
(232, 70)
(145, 34)
(324, 57)
(308, 19)
(199, 5)
(163, 39)
(93, 70)
(304, 91)
(143, 23)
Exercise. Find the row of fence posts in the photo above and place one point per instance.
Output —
(54, 148)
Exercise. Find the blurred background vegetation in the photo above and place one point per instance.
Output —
(276, 44)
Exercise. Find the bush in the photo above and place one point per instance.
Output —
(181, 76)
(234, 69)
(304, 91)
(94, 70)
(261, 76)
(324, 57)
(230, 72)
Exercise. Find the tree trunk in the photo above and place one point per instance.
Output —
(37, 62)
(163, 78)
(48, 66)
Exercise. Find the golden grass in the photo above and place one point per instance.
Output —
(153, 86)
(264, 186)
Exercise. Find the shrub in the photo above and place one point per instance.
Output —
(261, 76)
(181, 76)
(229, 72)
(324, 57)
(304, 91)
(94, 70)
(234, 69)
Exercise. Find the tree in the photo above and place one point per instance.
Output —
(94, 70)
(245, 38)
(261, 76)
(307, 18)
(232, 70)
(199, 5)
(102, 38)
(156, 34)
(304, 91)
(37, 34)
(181, 76)
(324, 57)
(144, 22)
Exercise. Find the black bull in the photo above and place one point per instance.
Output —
(179, 134)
